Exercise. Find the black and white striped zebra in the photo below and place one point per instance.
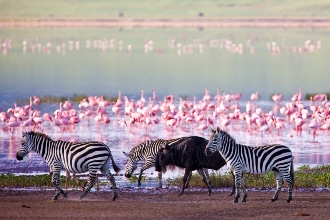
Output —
(75, 157)
(147, 151)
(242, 159)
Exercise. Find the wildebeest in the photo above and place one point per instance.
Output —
(147, 152)
(189, 154)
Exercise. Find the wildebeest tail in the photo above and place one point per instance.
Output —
(157, 165)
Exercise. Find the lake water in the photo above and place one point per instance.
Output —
(179, 62)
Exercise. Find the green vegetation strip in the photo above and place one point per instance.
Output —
(305, 177)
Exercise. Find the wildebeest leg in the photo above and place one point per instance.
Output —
(188, 181)
(185, 178)
(56, 183)
(160, 180)
(202, 175)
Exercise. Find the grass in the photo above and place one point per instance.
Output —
(104, 9)
(305, 177)
(57, 99)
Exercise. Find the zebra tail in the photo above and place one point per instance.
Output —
(292, 173)
(114, 165)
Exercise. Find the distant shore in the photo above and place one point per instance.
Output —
(170, 23)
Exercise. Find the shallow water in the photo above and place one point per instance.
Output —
(306, 151)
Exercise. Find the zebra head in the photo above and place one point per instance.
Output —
(131, 164)
(214, 142)
(26, 147)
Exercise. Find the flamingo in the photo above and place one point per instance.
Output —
(13, 123)
(36, 101)
(314, 125)
(254, 96)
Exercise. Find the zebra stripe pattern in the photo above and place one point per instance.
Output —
(146, 151)
(75, 157)
(253, 160)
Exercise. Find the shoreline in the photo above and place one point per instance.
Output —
(169, 23)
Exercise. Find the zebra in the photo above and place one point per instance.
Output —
(147, 151)
(253, 160)
(75, 157)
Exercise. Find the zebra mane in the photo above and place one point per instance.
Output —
(35, 133)
(228, 136)
(141, 146)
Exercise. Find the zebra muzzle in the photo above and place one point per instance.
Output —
(18, 157)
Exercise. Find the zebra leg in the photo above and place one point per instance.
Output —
(146, 166)
(140, 177)
(67, 179)
(90, 184)
(289, 180)
(112, 180)
(201, 173)
(244, 190)
(106, 171)
(206, 172)
(279, 183)
(290, 187)
(237, 175)
(56, 184)
(233, 188)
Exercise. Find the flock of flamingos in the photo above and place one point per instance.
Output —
(181, 46)
(221, 110)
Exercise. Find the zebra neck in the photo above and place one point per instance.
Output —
(44, 147)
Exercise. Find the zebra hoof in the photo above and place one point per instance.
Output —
(114, 196)
(273, 200)
(288, 201)
(65, 195)
(235, 200)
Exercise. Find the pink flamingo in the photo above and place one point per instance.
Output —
(67, 105)
(277, 98)
(36, 101)
(254, 96)
(299, 122)
(13, 123)
(314, 125)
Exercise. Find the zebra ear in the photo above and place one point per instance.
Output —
(126, 154)
(218, 130)
(211, 130)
